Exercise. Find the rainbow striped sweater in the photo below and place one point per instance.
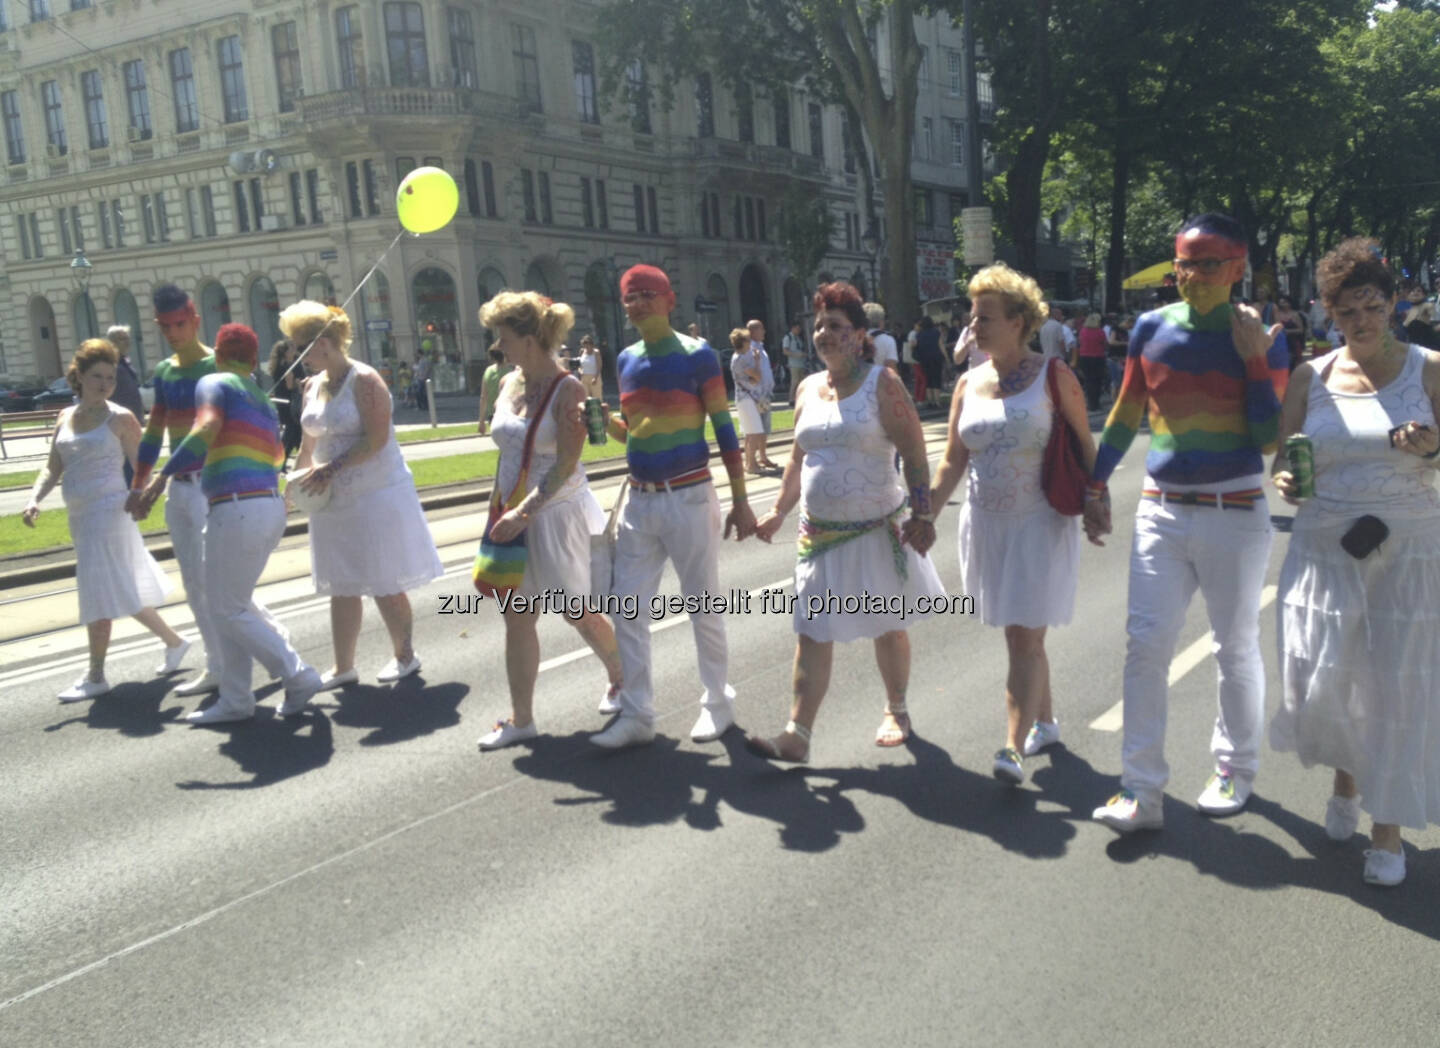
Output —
(243, 453)
(1212, 414)
(666, 390)
(174, 411)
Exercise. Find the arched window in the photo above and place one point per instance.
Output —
(214, 310)
(264, 313)
(128, 313)
(318, 288)
(82, 312)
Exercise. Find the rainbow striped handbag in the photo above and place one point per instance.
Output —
(500, 566)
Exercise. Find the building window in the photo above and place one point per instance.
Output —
(637, 93)
(472, 188)
(24, 234)
(372, 189)
(713, 202)
(117, 220)
(925, 140)
(102, 212)
(639, 208)
(297, 211)
(350, 44)
(587, 204)
(924, 209)
(487, 181)
(527, 190)
(39, 11)
(760, 215)
(745, 111)
(782, 118)
(547, 217)
(63, 221)
(286, 45)
(257, 202)
(527, 66)
(232, 80)
(749, 218)
(37, 246)
(846, 147)
(54, 117)
(352, 187)
(403, 166)
(405, 41)
(147, 214)
(137, 99)
(705, 215)
(14, 131)
(192, 217)
(242, 211)
(704, 106)
(602, 204)
(583, 60)
(462, 47)
(207, 209)
(957, 144)
(817, 130)
(739, 219)
(312, 196)
(95, 122)
(182, 87)
(162, 221)
(955, 80)
(958, 203)
(75, 229)
(654, 210)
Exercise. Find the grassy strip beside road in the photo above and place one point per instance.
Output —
(52, 529)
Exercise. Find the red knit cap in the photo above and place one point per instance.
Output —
(644, 278)
(237, 342)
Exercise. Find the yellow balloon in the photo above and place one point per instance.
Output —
(427, 200)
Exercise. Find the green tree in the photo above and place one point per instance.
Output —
(769, 45)
(803, 229)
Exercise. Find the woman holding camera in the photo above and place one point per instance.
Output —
(1359, 601)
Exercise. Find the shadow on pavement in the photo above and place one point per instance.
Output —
(1220, 848)
(132, 709)
(271, 748)
(404, 710)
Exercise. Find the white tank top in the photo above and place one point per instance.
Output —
(1007, 438)
(848, 472)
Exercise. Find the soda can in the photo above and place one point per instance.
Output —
(595, 420)
(1300, 453)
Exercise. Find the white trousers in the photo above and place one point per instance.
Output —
(1224, 553)
(684, 526)
(238, 541)
(186, 512)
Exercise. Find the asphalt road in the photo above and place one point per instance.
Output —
(362, 876)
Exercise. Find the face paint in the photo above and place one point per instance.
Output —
(1206, 265)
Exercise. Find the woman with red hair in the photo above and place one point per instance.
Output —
(860, 533)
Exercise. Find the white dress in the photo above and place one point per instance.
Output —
(747, 394)
(848, 475)
(1360, 639)
(371, 539)
(557, 540)
(115, 576)
(1019, 558)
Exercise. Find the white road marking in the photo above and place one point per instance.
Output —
(1113, 719)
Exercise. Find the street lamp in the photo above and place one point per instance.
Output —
(80, 269)
(870, 241)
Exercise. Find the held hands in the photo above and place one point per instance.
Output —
(481, 427)
(1096, 521)
(1252, 338)
(742, 518)
(139, 503)
(1416, 438)
(1285, 484)
(508, 525)
(31, 512)
(768, 525)
(316, 479)
(918, 534)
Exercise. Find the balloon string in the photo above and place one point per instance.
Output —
(348, 299)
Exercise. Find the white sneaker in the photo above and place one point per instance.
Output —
(207, 681)
(713, 722)
(299, 690)
(1224, 794)
(610, 701)
(1126, 813)
(1384, 868)
(331, 681)
(83, 689)
(1008, 767)
(1041, 734)
(626, 731)
(220, 713)
(1342, 817)
(396, 670)
(173, 657)
(506, 734)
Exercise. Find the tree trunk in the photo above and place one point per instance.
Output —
(1115, 260)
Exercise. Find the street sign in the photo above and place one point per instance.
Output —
(704, 305)
(329, 255)
(377, 325)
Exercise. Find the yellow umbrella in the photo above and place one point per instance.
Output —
(1154, 276)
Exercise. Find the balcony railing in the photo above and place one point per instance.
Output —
(403, 101)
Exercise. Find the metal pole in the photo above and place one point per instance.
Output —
(974, 169)
(430, 401)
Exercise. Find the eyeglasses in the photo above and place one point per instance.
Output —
(642, 295)
(1208, 266)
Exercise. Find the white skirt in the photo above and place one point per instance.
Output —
(557, 545)
(863, 570)
(751, 424)
(1360, 661)
(375, 545)
(115, 575)
(1021, 568)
